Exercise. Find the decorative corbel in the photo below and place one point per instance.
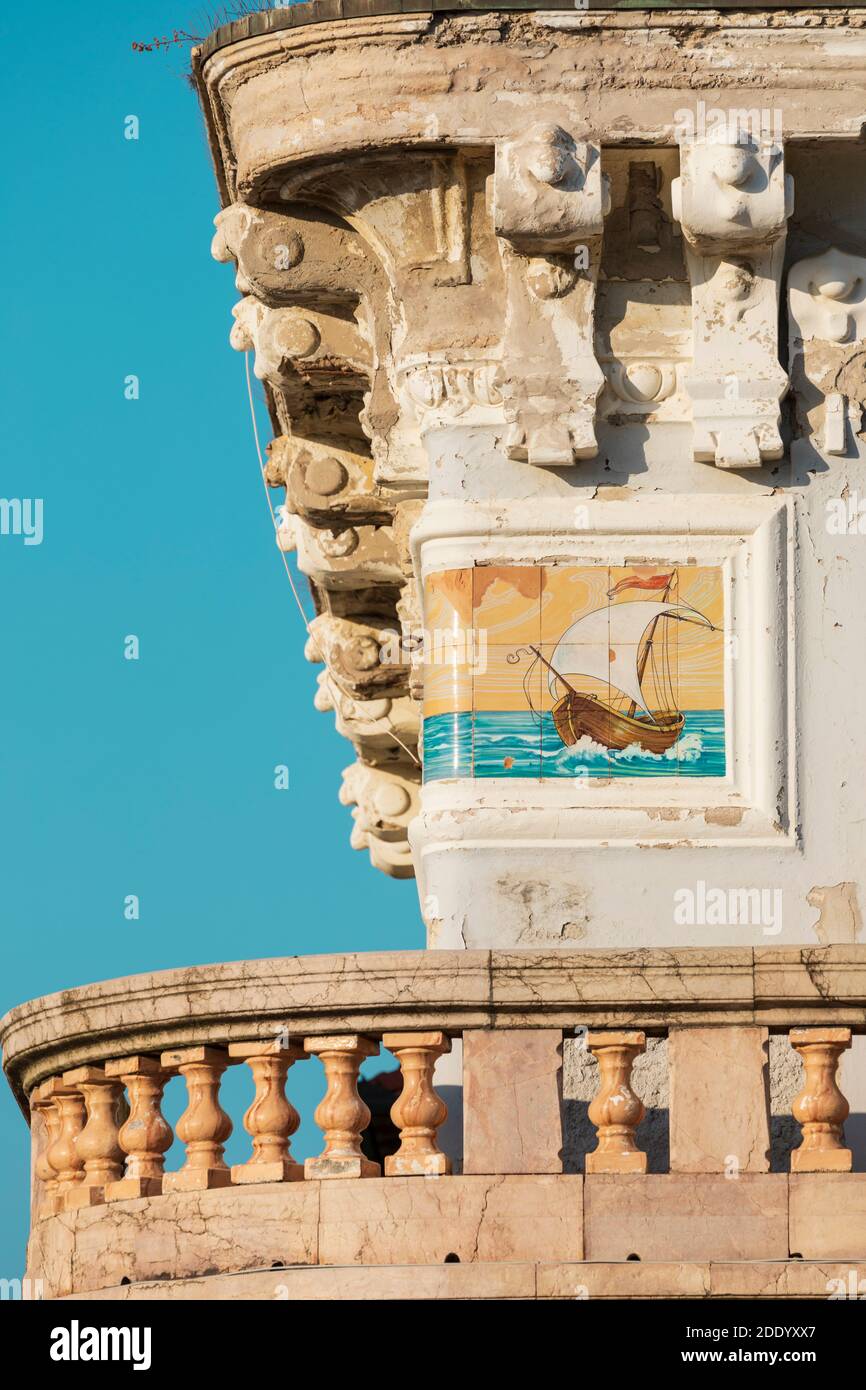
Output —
(733, 202)
(265, 246)
(414, 212)
(827, 340)
(549, 203)
(308, 258)
(383, 730)
(299, 257)
(353, 557)
(302, 347)
(385, 802)
(364, 661)
(328, 485)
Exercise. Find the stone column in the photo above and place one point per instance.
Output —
(62, 1153)
(98, 1143)
(146, 1136)
(45, 1129)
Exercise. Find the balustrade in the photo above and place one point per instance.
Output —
(92, 1150)
(342, 1115)
(62, 1153)
(204, 1126)
(271, 1119)
(418, 1112)
(97, 1144)
(616, 1111)
(821, 1107)
(145, 1136)
(44, 1104)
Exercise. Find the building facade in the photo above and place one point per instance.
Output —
(560, 319)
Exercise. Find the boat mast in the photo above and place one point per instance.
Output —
(568, 687)
(645, 655)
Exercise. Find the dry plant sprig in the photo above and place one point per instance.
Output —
(211, 19)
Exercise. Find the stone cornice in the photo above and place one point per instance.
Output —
(449, 990)
(326, 11)
(594, 59)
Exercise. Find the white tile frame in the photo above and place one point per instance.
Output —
(752, 539)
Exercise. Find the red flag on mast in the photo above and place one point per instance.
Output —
(656, 581)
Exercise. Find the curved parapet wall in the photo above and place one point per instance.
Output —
(418, 990)
(539, 1209)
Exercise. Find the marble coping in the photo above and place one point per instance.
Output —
(381, 991)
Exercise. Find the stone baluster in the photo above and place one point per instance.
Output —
(43, 1104)
(97, 1144)
(418, 1112)
(271, 1120)
(616, 1111)
(204, 1126)
(821, 1107)
(62, 1153)
(146, 1135)
(342, 1115)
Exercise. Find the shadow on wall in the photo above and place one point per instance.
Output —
(579, 1086)
(650, 1081)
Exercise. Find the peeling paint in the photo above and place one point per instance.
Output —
(839, 918)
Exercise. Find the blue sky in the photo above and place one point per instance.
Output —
(152, 777)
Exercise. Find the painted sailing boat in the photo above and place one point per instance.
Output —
(628, 646)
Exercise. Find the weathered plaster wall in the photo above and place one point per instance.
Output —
(604, 894)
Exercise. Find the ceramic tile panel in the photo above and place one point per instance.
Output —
(567, 671)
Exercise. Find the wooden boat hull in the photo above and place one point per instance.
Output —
(576, 716)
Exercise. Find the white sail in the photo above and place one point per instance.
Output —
(604, 644)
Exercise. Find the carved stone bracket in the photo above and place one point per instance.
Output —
(420, 216)
(326, 484)
(549, 203)
(302, 256)
(345, 559)
(373, 726)
(385, 802)
(296, 347)
(733, 202)
(827, 306)
(363, 660)
(319, 306)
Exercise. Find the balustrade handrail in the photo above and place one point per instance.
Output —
(377, 992)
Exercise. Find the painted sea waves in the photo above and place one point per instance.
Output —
(514, 744)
